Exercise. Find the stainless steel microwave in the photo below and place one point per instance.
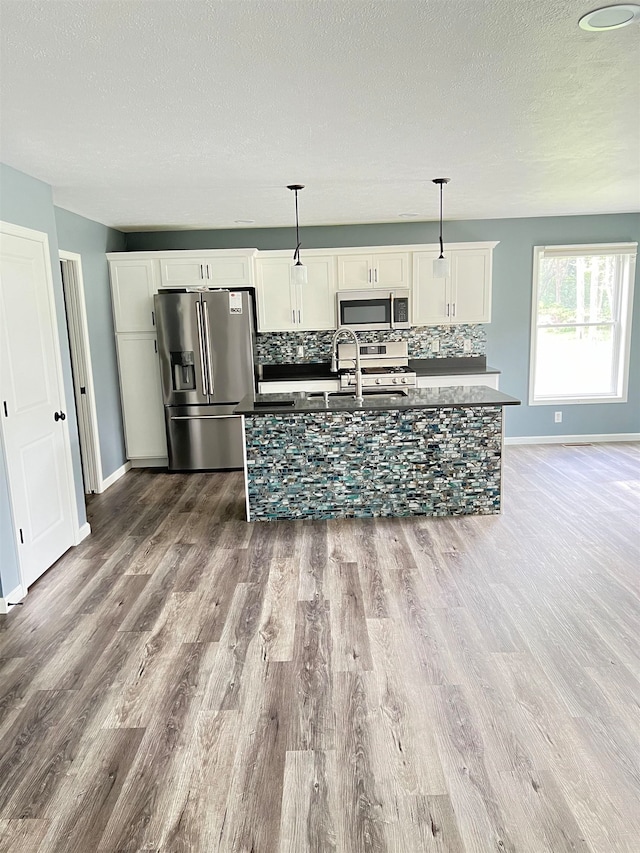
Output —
(377, 309)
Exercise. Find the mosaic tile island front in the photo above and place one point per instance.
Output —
(374, 462)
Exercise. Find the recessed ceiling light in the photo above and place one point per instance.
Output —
(610, 17)
(407, 215)
(244, 221)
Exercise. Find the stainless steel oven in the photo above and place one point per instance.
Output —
(385, 366)
(377, 309)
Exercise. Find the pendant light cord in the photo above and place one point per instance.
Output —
(441, 243)
(296, 254)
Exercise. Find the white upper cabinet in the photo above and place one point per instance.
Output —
(133, 284)
(223, 270)
(463, 297)
(384, 269)
(277, 302)
(471, 275)
(317, 298)
(285, 307)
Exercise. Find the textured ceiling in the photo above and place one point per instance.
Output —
(196, 113)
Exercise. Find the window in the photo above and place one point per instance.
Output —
(581, 323)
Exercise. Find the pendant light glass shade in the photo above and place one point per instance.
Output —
(441, 268)
(298, 270)
(441, 264)
(298, 273)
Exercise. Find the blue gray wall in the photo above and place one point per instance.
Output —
(508, 335)
(92, 240)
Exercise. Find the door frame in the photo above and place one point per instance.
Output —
(82, 371)
(79, 533)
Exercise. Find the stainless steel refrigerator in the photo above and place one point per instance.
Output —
(205, 343)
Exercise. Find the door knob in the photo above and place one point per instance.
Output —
(59, 416)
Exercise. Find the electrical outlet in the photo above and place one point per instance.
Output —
(300, 352)
(435, 345)
(558, 417)
(466, 347)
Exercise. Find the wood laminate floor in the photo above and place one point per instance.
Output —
(184, 681)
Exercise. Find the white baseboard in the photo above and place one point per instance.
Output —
(111, 479)
(84, 531)
(13, 597)
(572, 439)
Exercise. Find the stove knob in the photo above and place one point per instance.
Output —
(395, 380)
(404, 380)
(378, 381)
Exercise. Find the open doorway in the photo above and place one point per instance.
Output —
(73, 286)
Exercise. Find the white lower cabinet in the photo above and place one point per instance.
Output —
(141, 395)
(490, 379)
(285, 307)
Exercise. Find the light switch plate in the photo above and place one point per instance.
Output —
(435, 345)
(300, 352)
(466, 347)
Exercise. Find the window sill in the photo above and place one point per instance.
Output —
(579, 401)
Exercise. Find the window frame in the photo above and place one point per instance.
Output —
(621, 323)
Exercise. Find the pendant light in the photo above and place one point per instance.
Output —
(441, 264)
(298, 271)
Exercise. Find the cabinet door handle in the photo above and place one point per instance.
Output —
(369, 275)
(375, 275)
(153, 318)
(299, 316)
(447, 309)
(454, 310)
(201, 271)
(293, 315)
(208, 270)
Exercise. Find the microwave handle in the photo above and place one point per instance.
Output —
(392, 309)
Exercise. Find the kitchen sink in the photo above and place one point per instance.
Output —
(366, 392)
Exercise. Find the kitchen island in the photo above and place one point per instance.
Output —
(428, 451)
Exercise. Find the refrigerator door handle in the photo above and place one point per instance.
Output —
(202, 417)
(201, 342)
(208, 343)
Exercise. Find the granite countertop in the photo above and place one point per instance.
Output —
(421, 366)
(417, 398)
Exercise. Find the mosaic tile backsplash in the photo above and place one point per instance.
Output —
(374, 463)
(282, 347)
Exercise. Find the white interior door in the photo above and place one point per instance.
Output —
(36, 444)
(72, 284)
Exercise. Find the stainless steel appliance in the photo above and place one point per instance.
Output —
(384, 365)
(205, 343)
(377, 309)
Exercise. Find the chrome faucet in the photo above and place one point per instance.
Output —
(345, 330)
